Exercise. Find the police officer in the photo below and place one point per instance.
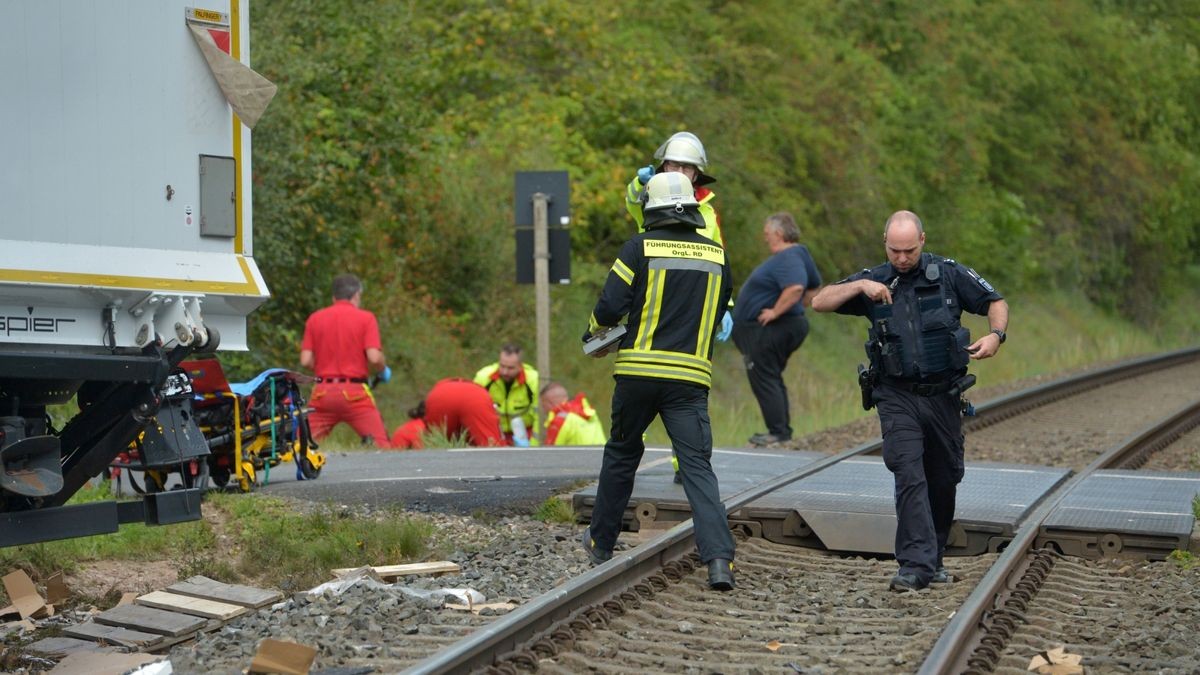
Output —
(919, 354)
(673, 283)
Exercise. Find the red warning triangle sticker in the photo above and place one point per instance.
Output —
(221, 37)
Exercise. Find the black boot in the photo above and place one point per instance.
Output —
(720, 574)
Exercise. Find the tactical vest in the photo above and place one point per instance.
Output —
(918, 337)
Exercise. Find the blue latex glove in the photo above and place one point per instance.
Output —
(645, 174)
(521, 442)
(726, 327)
(385, 375)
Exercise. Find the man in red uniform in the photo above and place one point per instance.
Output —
(341, 344)
(456, 406)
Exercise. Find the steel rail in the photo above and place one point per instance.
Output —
(1018, 402)
(961, 637)
(492, 642)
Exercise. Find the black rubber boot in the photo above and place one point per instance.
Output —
(720, 574)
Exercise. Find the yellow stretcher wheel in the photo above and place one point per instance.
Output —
(247, 480)
(310, 464)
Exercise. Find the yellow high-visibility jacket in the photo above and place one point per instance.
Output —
(673, 283)
(518, 399)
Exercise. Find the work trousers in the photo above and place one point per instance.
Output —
(684, 411)
(765, 352)
(349, 402)
(923, 448)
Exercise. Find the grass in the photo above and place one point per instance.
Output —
(555, 510)
(267, 542)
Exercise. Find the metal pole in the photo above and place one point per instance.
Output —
(541, 283)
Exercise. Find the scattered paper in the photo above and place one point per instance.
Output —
(1056, 662)
(467, 596)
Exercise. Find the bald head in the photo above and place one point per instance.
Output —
(552, 394)
(904, 237)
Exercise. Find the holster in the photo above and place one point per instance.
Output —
(866, 383)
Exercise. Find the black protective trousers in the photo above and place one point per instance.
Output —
(684, 411)
(923, 448)
(765, 352)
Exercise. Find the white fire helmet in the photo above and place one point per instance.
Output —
(684, 148)
(670, 190)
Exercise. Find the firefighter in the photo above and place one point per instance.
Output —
(919, 354)
(341, 345)
(514, 388)
(570, 421)
(672, 283)
(682, 152)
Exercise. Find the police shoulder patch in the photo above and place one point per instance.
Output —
(982, 282)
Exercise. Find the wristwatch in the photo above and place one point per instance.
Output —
(1002, 335)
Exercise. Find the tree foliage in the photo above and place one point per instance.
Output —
(1042, 143)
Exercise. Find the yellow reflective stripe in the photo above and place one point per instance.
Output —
(664, 373)
(704, 337)
(651, 309)
(593, 325)
(622, 271)
(661, 248)
(633, 194)
(159, 284)
(660, 356)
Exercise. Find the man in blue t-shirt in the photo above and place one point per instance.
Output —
(769, 322)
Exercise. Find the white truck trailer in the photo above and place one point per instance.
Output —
(125, 240)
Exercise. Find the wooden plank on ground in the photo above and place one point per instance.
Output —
(124, 637)
(186, 604)
(150, 620)
(58, 647)
(394, 571)
(234, 594)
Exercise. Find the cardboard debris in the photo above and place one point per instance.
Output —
(1056, 661)
(278, 656)
(56, 589)
(26, 601)
(102, 664)
(385, 572)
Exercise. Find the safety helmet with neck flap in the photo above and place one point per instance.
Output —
(671, 200)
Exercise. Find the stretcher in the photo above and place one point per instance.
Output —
(247, 429)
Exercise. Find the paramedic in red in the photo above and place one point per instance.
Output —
(459, 409)
(341, 345)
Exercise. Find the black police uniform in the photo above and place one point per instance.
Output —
(673, 283)
(917, 349)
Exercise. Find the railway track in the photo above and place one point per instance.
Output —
(650, 611)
